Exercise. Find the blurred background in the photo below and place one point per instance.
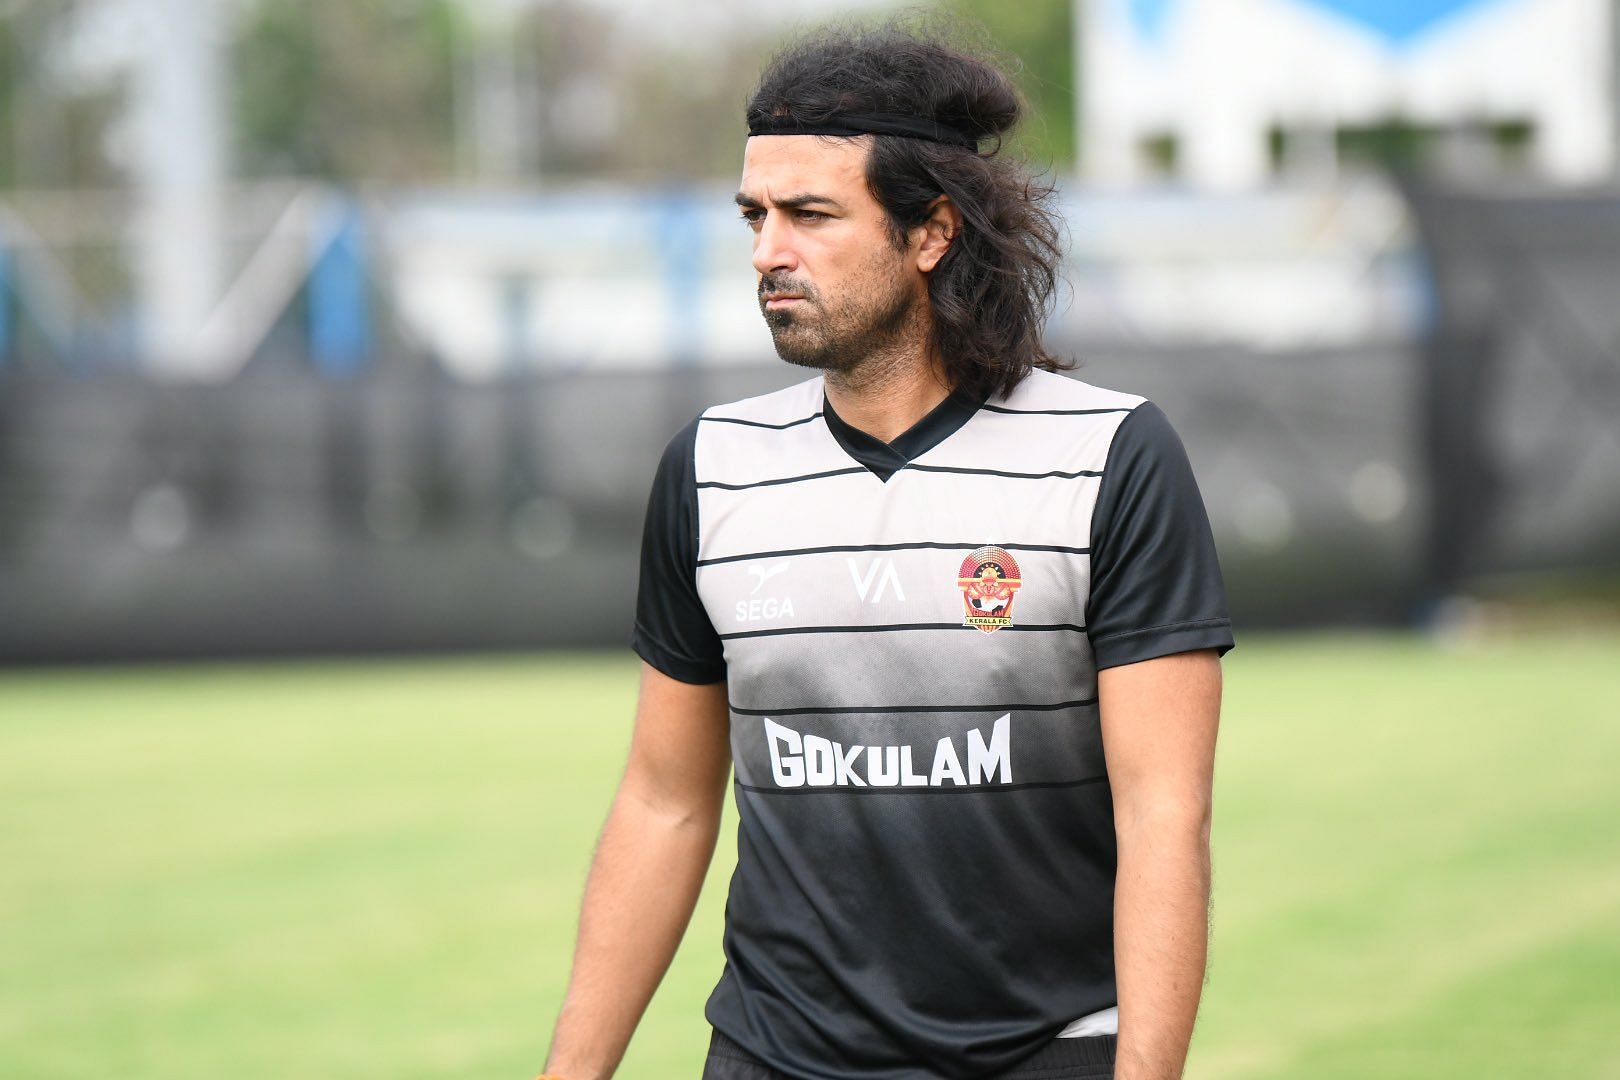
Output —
(357, 327)
(311, 315)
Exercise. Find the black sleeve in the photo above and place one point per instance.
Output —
(1156, 585)
(673, 632)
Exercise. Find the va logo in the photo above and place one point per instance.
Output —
(879, 573)
(988, 579)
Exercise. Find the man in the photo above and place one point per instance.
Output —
(955, 618)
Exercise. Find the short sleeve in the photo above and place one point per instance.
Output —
(1156, 584)
(672, 630)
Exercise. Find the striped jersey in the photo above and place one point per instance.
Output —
(910, 633)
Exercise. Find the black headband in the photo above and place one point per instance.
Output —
(910, 127)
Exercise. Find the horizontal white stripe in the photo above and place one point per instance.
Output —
(858, 508)
(1032, 443)
(777, 407)
(1049, 390)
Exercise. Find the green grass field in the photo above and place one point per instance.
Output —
(372, 869)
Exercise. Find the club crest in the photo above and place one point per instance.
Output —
(988, 579)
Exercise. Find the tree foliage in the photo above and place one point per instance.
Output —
(1039, 36)
(362, 89)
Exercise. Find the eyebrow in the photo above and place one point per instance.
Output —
(791, 202)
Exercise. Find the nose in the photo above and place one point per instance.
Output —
(773, 245)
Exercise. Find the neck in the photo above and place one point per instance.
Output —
(889, 390)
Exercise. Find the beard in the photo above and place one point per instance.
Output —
(874, 315)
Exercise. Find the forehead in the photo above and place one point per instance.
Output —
(775, 165)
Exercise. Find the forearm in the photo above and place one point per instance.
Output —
(643, 884)
(1161, 940)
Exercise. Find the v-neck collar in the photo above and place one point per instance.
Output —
(884, 459)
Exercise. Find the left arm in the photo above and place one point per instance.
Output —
(1156, 616)
(1159, 718)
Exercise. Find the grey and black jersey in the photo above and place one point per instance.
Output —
(910, 634)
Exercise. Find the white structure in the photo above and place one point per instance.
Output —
(176, 116)
(596, 278)
(170, 57)
(1218, 76)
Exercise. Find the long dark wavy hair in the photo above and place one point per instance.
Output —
(993, 289)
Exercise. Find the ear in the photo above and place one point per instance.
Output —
(943, 223)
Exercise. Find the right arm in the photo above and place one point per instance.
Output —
(649, 867)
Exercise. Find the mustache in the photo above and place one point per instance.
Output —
(778, 284)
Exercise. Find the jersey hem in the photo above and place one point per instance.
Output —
(671, 663)
(1154, 641)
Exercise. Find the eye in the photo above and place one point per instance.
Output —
(810, 215)
(753, 216)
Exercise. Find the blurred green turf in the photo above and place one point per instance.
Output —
(372, 869)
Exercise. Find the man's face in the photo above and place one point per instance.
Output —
(833, 287)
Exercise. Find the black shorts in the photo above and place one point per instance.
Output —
(1087, 1058)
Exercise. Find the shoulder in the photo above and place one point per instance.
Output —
(1135, 426)
(778, 409)
(1146, 471)
(760, 437)
(1146, 430)
(1126, 437)
(1069, 422)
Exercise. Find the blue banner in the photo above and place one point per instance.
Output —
(1398, 21)
(1149, 16)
